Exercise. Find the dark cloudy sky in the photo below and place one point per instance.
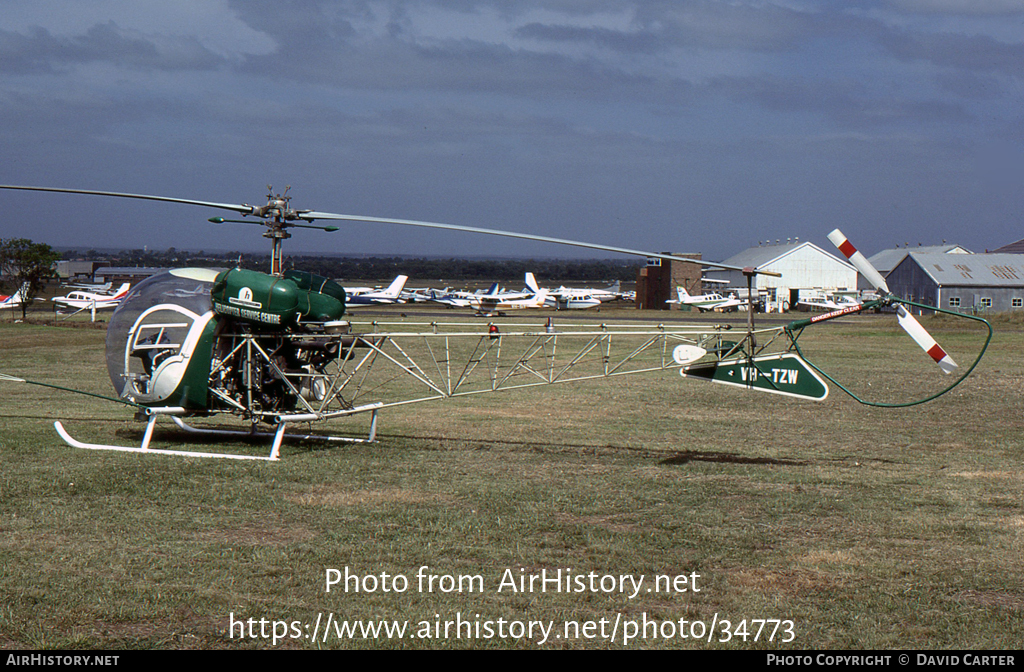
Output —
(683, 125)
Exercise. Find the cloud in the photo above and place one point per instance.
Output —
(978, 53)
(664, 120)
(851, 104)
(958, 7)
(39, 51)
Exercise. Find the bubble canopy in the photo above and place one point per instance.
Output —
(152, 324)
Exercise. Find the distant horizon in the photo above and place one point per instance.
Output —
(624, 260)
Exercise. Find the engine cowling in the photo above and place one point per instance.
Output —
(274, 301)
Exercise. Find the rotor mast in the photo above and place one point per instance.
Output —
(277, 214)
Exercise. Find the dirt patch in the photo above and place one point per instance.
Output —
(1003, 475)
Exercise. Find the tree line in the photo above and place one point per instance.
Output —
(26, 267)
(421, 269)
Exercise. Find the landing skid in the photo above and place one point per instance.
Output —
(275, 451)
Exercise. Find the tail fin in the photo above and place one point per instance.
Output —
(395, 288)
(531, 282)
(122, 290)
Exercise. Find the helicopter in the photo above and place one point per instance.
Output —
(276, 349)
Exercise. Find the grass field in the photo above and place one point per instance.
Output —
(857, 527)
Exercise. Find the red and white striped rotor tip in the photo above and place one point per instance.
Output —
(859, 261)
(925, 340)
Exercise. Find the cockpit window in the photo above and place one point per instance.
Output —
(152, 325)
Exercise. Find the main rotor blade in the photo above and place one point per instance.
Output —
(311, 215)
(524, 236)
(239, 208)
(903, 316)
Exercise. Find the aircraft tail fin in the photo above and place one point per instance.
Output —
(396, 286)
(19, 297)
(531, 282)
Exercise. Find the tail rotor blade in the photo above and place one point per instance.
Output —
(905, 319)
(859, 261)
(925, 340)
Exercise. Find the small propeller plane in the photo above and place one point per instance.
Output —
(564, 298)
(494, 304)
(90, 287)
(16, 299)
(828, 302)
(449, 298)
(706, 302)
(359, 298)
(80, 300)
(274, 350)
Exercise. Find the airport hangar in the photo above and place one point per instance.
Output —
(803, 265)
(886, 260)
(967, 283)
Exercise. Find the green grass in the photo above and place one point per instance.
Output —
(868, 528)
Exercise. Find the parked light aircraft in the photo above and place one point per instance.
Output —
(564, 298)
(705, 302)
(16, 299)
(494, 302)
(90, 286)
(80, 300)
(273, 349)
(612, 292)
(487, 303)
(828, 302)
(447, 297)
(390, 295)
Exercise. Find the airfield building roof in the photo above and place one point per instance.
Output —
(763, 255)
(1012, 248)
(886, 260)
(981, 270)
(127, 272)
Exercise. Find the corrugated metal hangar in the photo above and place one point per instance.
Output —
(803, 265)
(971, 283)
(886, 260)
